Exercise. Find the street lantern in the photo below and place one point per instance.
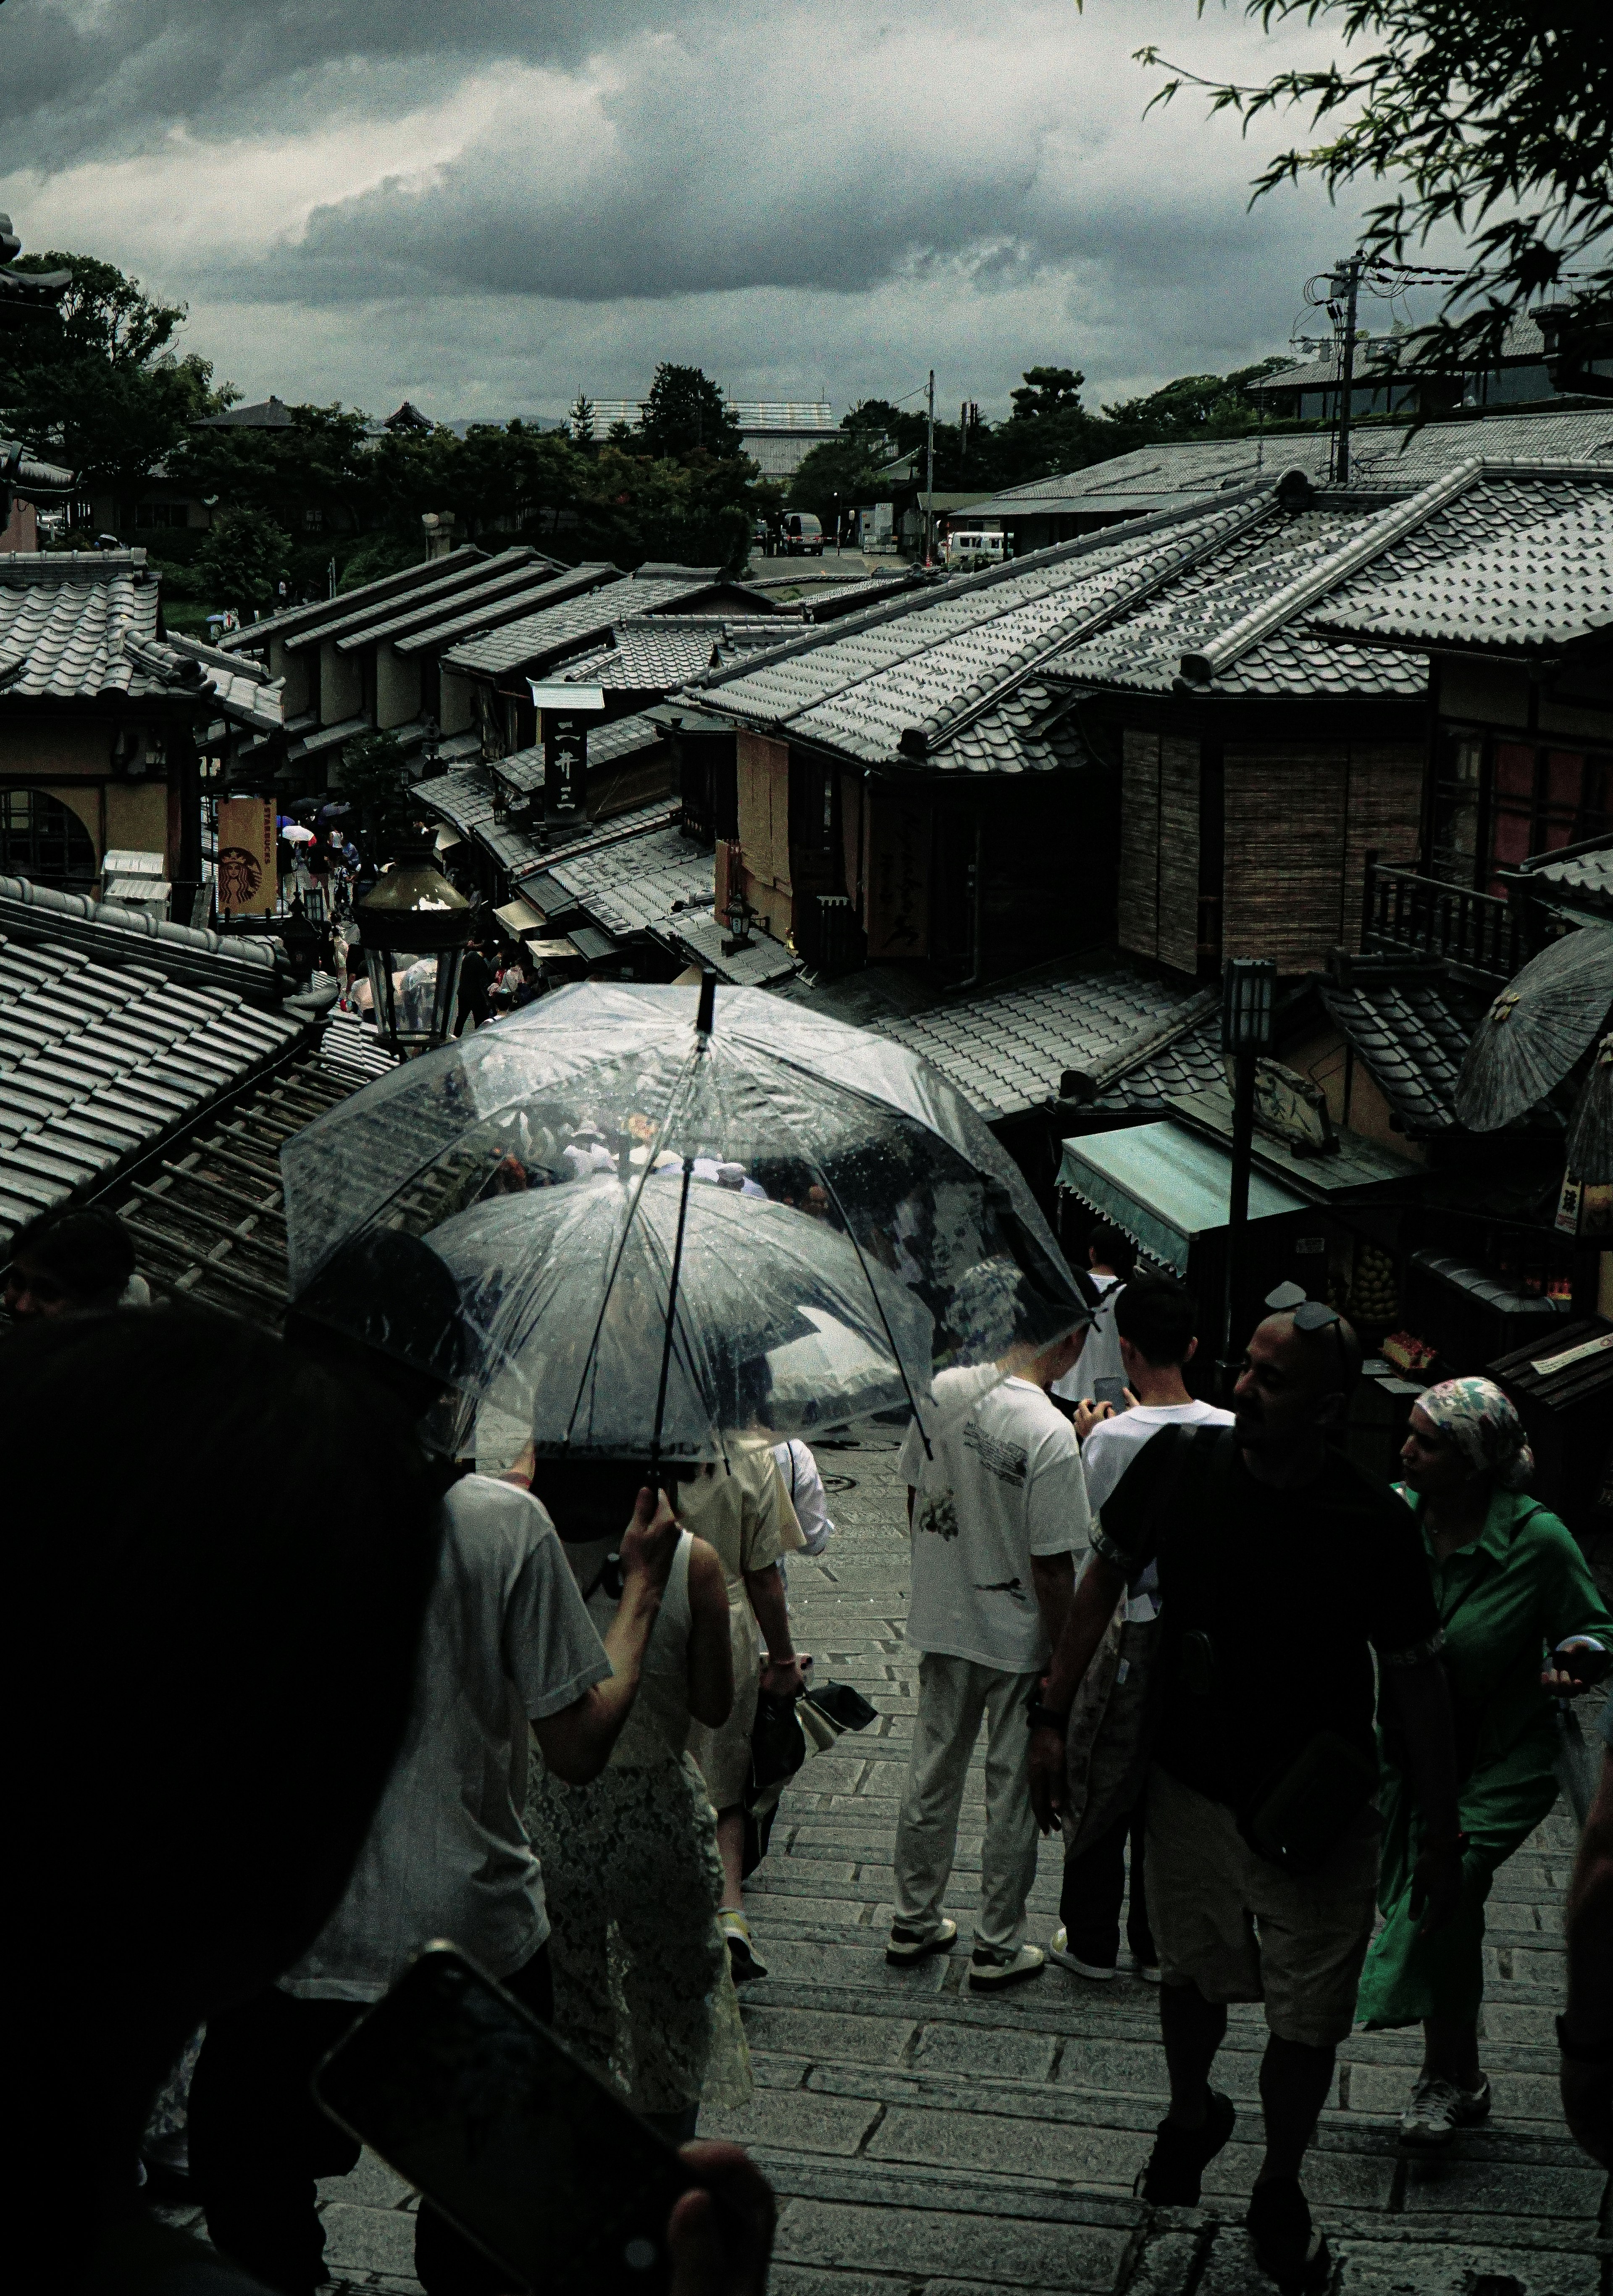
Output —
(1248, 996)
(413, 927)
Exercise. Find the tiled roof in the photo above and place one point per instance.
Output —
(530, 855)
(1190, 1062)
(621, 738)
(568, 626)
(552, 589)
(1541, 584)
(658, 653)
(699, 933)
(638, 882)
(1376, 361)
(1582, 880)
(70, 622)
(1007, 1050)
(297, 620)
(463, 800)
(1033, 731)
(1249, 622)
(1382, 457)
(906, 680)
(100, 1061)
(250, 962)
(499, 589)
(1410, 1023)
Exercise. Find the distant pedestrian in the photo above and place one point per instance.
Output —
(1099, 1376)
(805, 1483)
(1154, 1319)
(1515, 1596)
(997, 1512)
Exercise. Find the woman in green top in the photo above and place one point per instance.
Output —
(1515, 1598)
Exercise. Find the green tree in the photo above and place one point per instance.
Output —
(244, 559)
(98, 381)
(839, 475)
(374, 780)
(901, 425)
(581, 419)
(1047, 390)
(694, 513)
(317, 476)
(1194, 407)
(1495, 117)
(685, 415)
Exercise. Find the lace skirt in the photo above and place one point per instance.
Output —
(642, 1986)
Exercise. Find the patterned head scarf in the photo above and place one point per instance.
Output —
(1476, 1417)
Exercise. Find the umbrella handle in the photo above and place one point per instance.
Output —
(677, 1261)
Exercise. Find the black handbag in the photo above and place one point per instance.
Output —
(1299, 1821)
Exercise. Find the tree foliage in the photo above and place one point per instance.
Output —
(846, 469)
(244, 560)
(1495, 118)
(685, 415)
(374, 781)
(96, 380)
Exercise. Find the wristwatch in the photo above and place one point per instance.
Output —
(1583, 2053)
(1043, 1717)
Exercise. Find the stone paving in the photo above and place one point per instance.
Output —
(926, 2144)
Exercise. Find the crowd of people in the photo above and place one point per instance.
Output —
(1291, 1718)
(1289, 1722)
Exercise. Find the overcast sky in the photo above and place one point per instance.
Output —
(487, 205)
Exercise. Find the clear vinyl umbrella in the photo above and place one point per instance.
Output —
(638, 1235)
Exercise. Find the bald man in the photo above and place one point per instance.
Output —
(1283, 1570)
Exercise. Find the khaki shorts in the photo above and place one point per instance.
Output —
(1243, 1930)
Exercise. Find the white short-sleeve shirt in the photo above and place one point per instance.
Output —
(1004, 1483)
(507, 1638)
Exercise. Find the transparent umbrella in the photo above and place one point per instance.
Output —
(643, 1234)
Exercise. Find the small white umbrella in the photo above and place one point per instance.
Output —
(298, 836)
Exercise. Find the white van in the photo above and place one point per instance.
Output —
(975, 546)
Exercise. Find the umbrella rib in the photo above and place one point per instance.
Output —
(654, 1151)
(829, 1190)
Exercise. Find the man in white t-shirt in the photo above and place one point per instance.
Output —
(998, 1511)
(1154, 1318)
(1111, 1257)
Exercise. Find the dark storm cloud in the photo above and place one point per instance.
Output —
(86, 76)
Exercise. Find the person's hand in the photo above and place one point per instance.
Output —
(1586, 1664)
(785, 1678)
(521, 1468)
(721, 2234)
(650, 1541)
(1088, 1414)
(1435, 1885)
(1049, 1786)
(1587, 2107)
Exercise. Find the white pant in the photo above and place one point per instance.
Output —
(953, 1693)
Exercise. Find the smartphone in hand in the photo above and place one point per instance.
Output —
(460, 2091)
(1111, 1391)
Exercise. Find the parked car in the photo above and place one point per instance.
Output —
(801, 536)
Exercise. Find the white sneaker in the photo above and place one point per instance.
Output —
(1148, 1970)
(987, 1973)
(904, 1947)
(1058, 1949)
(1439, 2108)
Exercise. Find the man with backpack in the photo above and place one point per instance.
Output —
(1111, 1257)
(1283, 1570)
(1154, 1320)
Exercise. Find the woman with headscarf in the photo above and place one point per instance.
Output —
(1523, 1620)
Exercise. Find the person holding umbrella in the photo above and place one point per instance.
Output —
(1523, 1621)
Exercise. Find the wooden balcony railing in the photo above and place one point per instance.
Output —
(1481, 933)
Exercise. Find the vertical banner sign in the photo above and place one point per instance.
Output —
(563, 712)
(247, 875)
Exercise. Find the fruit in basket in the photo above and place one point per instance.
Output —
(1373, 1296)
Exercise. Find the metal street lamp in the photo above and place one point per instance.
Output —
(1249, 1008)
(413, 927)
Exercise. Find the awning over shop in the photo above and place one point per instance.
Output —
(1165, 1187)
(521, 918)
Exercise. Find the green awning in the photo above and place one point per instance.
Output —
(1165, 1187)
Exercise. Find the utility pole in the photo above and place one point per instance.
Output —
(929, 472)
(1350, 271)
